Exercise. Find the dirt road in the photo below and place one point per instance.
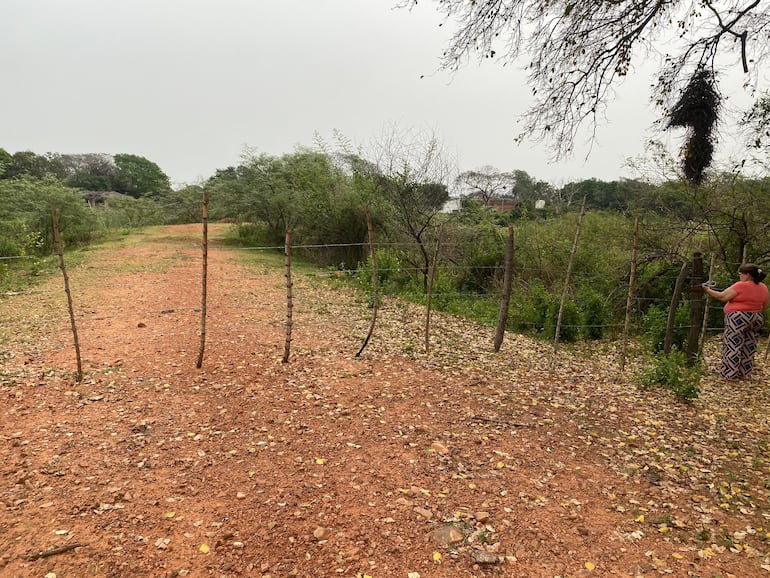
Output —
(458, 462)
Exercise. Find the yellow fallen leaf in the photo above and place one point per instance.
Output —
(590, 566)
(437, 557)
(170, 514)
(204, 548)
(320, 461)
(677, 555)
(639, 518)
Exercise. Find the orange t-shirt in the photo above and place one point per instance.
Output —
(749, 296)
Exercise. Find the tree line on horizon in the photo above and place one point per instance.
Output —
(322, 195)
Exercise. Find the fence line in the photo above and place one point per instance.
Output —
(490, 297)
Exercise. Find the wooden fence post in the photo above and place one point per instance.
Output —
(704, 326)
(696, 309)
(60, 252)
(204, 280)
(568, 276)
(430, 291)
(630, 296)
(289, 297)
(502, 318)
(375, 280)
(668, 341)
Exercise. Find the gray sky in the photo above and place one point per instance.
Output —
(189, 83)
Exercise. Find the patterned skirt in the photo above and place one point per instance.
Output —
(739, 342)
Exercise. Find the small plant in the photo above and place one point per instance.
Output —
(704, 535)
(672, 372)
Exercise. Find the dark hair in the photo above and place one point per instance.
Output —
(756, 273)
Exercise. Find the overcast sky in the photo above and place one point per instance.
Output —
(189, 83)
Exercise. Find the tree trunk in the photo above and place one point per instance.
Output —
(669, 339)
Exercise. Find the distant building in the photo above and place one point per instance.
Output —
(94, 198)
(452, 206)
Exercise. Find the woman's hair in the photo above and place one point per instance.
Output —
(757, 274)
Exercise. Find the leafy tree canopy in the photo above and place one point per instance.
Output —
(27, 163)
(138, 177)
(5, 161)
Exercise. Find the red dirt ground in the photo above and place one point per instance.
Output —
(458, 462)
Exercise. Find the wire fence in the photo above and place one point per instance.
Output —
(363, 275)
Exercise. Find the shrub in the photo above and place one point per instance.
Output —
(654, 323)
(595, 316)
(571, 321)
(672, 372)
(530, 309)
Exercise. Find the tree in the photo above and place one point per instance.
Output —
(755, 125)
(138, 177)
(304, 191)
(411, 172)
(25, 215)
(27, 163)
(485, 183)
(90, 172)
(576, 52)
(5, 161)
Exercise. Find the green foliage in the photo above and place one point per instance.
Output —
(29, 164)
(529, 309)
(25, 213)
(475, 251)
(183, 205)
(129, 213)
(654, 324)
(138, 177)
(672, 372)
(303, 191)
(595, 314)
(571, 320)
(5, 161)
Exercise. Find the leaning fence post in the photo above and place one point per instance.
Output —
(568, 276)
(375, 281)
(60, 252)
(289, 297)
(669, 339)
(204, 274)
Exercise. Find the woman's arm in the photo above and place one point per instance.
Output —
(723, 296)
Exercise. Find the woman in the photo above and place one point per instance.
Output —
(744, 315)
